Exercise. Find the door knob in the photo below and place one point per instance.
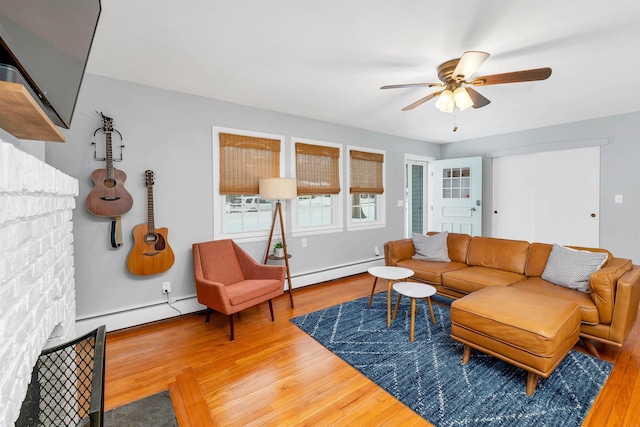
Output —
(593, 215)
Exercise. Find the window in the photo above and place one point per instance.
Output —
(317, 169)
(241, 158)
(366, 178)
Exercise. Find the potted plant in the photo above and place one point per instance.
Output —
(278, 249)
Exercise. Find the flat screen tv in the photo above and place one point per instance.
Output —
(47, 42)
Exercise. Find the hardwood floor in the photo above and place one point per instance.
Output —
(275, 374)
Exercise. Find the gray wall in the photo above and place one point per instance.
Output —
(619, 171)
(171, 133)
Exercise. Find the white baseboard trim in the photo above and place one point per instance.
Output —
(134, 316)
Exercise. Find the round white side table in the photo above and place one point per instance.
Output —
(414, 290)
(392, 274)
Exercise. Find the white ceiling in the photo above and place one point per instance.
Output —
(326, 59)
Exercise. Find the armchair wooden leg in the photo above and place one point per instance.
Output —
(271, 310)
(231, 326)
(208, 315)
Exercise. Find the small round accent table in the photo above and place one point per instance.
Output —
(392, 274)
(414, 290)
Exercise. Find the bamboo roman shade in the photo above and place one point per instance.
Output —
(366, 172)
(317, 169)
(246, 159)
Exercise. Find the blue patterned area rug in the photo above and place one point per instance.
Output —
(427, 375)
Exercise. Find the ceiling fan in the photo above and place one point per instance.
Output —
(456, 83)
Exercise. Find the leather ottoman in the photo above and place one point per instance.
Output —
(531, 331)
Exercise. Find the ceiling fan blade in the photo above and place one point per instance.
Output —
(469, 63)
(412, 85)
(479, 101)
(421, 101)
(513, 77)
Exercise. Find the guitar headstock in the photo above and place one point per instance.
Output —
(149, 176)
(107, 122)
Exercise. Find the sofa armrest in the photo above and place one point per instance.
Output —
(625, 310)
(602, 286)
(397, 250)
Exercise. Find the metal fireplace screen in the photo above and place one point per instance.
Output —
(67, 384)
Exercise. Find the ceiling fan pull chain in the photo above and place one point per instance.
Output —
(455, 122)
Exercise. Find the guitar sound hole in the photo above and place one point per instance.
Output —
(109, 183)
(150, 238)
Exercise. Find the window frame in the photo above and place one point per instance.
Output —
(336, 199)
(219, 200)
(380, 221)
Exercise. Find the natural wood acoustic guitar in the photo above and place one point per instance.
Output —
(151, 253)
(108, 197)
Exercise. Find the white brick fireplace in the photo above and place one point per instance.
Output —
(37, 288)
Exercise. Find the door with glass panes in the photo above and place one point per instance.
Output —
(457, 196)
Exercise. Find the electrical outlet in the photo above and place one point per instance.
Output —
(303, 242)
(376, 251)
(166, 287)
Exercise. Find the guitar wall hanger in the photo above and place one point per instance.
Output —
(95, 147)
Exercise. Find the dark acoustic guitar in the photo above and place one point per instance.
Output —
(108, 197)
(151, 253)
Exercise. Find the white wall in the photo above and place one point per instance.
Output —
(171, 133)
(37, 298)
(619, 171)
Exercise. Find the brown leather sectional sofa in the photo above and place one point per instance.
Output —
(608, 312)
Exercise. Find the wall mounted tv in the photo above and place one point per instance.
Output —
(47, 44)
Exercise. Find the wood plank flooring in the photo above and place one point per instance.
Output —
(276, 375)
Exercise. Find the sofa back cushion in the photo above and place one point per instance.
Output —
(503, 254)
(537, 259)
(458, 246)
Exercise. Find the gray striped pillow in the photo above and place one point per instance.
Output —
(572, 268)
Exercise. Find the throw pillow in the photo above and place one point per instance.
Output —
(571, 268)
(431, 248)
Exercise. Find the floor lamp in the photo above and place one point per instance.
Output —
(279, 189)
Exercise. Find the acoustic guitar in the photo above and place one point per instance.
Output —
(151, 253)
(108, 197)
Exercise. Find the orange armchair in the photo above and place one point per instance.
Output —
(228, 280)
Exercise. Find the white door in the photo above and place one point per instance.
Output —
(551, 197)
(568, 197)
(513, 202)
(457, 196)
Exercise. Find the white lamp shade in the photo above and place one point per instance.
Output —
(463, 100)
(445, 102)
(278, 188)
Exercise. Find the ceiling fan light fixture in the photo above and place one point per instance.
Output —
(463, 100)
(446, 102)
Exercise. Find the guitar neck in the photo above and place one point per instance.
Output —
(109, 156)
(150, 217)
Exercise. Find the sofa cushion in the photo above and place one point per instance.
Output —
(431, 248)
(571, 268)
(458, 246)
(588, 309)
(471, 279)
(430, 271)
(537, 259)
(507, 255)
(602, 286)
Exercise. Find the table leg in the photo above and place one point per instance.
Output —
(395, 311)
(413, 317)
(388, 303)
(433, 318)
(372, 290)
